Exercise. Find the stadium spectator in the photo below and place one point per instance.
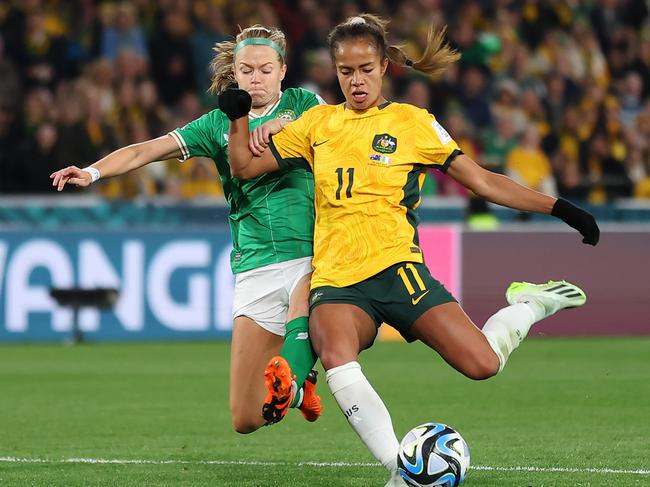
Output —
(41, 54)
(498, 141)
(122, 32)
(100, 133)
(129, 66)
(209, 32)
(320, 77)
(35, 156)
(9, 80)
(172, 64)
(75, 145)
(200, 174)
(155, 115)
(38, 108)
(607, 175)
(527, 164)
(100, 75)
(506, 105)
(630, 98)
(473, 96)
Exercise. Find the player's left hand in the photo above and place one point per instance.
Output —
(576, 217)
(259, 138)
(235, 103)
(70, 175)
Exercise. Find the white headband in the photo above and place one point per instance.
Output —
(357, 20)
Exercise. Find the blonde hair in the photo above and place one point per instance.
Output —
(437, 57)
(222, 65)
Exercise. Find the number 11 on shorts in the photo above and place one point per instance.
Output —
(401, 271)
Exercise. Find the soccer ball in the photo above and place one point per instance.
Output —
(433, 454)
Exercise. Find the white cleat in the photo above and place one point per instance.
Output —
(553, 296)
(396, 480)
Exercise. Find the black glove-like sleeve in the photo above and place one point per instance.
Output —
(235, 103)
(576, 217)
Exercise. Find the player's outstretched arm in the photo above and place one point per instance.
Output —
(236, 104)
(118, 162)
(506, 192)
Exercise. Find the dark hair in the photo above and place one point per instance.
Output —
(437, 57)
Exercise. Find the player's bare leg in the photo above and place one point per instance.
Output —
(339, 332)
(480, 354)
(251, 348)
(450, 332)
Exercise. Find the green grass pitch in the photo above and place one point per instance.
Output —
(565, 412)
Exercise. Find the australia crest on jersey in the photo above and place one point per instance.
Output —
(287, 114)
(384, 144)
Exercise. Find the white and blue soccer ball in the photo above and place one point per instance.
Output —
(433, 454)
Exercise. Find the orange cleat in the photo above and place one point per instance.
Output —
(278, 381)
(311, 408)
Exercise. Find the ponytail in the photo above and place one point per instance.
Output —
(437, 57)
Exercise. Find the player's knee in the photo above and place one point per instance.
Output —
(244, 425)
(244, 422)
(297, 311)
(481, 366)
(331, 357)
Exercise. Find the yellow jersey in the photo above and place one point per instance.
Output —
(368, 168)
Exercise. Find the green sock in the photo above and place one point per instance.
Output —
(298, 352)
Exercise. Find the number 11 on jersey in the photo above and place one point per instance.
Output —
(348, 191)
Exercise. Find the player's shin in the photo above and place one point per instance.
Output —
(365, 412)
(298, 352)
(506, 329)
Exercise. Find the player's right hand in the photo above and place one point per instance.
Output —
(235, 103)
(70, 175)
(260, 137)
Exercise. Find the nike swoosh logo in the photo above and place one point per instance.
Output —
(303, 335)
(316, 144)
(415, 301)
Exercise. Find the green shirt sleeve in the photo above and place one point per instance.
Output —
(308, 99)
(200, 137)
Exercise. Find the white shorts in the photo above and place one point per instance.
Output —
(263, 294)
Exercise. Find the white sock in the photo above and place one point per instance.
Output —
(365, 412)
(506, 329)
(301, 395)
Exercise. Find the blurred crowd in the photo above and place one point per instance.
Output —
(553, 93)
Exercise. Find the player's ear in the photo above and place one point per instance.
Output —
(283, 71)
(384, 66)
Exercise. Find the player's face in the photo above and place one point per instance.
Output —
(360, 69)
(259, 71)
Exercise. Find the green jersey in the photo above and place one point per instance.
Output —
(272, 216)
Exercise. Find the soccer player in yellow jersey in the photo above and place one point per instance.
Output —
(368, 157)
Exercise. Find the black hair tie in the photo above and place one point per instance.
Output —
(409, 63)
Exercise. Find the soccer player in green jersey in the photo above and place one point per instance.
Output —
(271, 221)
